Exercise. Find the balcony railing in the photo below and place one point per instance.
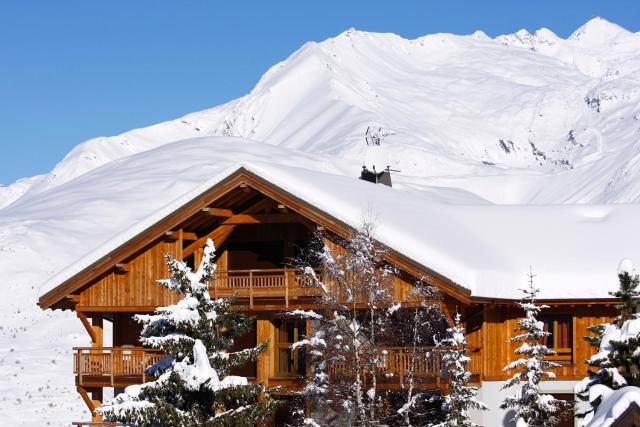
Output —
(396, 362)
(113, 366)
(267, 284)
(122, 366)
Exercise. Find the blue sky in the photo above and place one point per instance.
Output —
(72, 70)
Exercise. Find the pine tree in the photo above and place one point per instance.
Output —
(460, 397)
(624, 354)
(532, 408)
(617, 362)
(193, 386)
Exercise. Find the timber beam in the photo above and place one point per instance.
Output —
(87, 401)
(87, 325)
(122, 268)
(224, 213)
(218, 235)
(174, 235)
(260, 219)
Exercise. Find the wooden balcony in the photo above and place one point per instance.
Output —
(271, 289)
(112, 366)
(429, 371)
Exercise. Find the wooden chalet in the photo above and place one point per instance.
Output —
(257, 227)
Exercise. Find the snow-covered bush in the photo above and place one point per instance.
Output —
(192, 385)
(532, 408)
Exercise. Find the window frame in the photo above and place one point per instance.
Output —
(564, 355)
(299, 331)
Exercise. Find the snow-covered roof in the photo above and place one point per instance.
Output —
(574, 249)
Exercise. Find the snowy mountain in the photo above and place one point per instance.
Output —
(520, 119)
(524, 118)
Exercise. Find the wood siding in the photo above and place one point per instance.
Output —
(135, 289)
(499, 322)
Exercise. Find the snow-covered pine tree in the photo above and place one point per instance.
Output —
(617, 362)
(623, 336)
(192, 386)
(460, 397)
(532, 408)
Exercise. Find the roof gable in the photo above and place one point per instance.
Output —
(98, 262)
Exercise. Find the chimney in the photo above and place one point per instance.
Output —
(375, 177)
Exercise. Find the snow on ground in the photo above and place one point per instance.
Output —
(551, 121)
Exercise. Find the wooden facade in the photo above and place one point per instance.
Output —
(258, 229)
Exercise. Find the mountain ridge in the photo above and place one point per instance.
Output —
(458, 107)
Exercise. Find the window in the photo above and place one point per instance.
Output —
(290, 362)
(560, 338)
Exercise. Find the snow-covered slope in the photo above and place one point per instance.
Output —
(507, 121)
(520, 119)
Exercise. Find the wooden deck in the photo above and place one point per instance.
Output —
(112, 366)
(254, 287)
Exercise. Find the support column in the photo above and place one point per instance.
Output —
(97, 326)
(265, 360)
(96, 400)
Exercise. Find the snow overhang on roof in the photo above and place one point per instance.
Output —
(485, 250)
(100, 260)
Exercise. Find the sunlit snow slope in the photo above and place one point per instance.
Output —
(522, 119)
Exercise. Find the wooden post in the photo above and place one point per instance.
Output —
(400, 365)
(215, 284)
(250, 288)
(180, 243)
(263, 364)
(286, 288)
(96, 400)
(96, 325)
(115, 359)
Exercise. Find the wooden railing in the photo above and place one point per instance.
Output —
(285, 284)
(395, 365)
(113, 366)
